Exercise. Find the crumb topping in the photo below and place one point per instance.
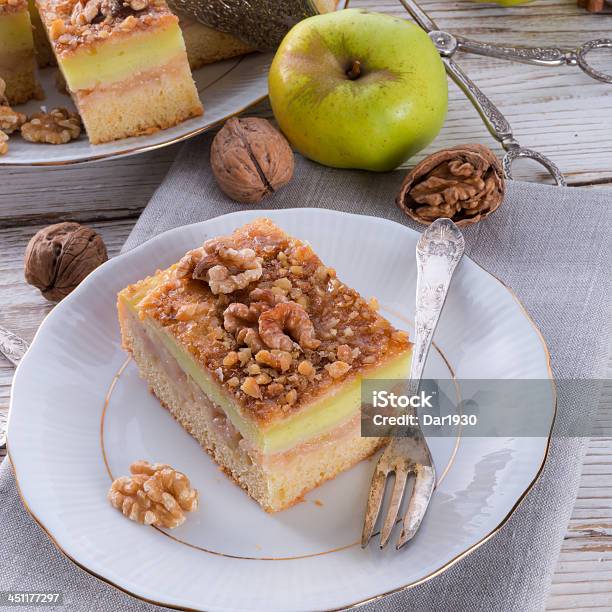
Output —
(283, 339)
(13, 6)
(73, 23)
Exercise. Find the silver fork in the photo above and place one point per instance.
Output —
(438, 252)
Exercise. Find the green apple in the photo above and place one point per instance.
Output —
(354, 89)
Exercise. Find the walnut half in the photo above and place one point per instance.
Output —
(464, 183)
(155, 494)
(224, 269)
(58, 126)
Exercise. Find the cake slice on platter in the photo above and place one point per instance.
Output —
(258, 350)
(17, 61)
(124, 63)
(206, 45)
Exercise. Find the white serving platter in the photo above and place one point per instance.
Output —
(226, 88)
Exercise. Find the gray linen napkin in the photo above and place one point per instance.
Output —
(552, 246)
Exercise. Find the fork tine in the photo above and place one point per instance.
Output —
(375, 497)
(401, 476)
(424, 483)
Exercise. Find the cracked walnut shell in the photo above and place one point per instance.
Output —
(58, 126)
(155, 494)
(464, 183)
(60, 256)
(250, 159)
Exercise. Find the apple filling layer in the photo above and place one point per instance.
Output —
(257, 348)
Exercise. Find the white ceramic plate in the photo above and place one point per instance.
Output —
(225, 88)
(76, 417)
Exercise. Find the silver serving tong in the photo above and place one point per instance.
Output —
(498, 126)
(536, 56)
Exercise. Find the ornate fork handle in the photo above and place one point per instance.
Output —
(496, 123)
(439, 250)
(12, 346)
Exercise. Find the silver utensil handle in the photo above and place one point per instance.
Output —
(495, 122)
(580, 57)
(12, 346)
(498, 125)
(515, 152)
(540, 56)
(439, 250)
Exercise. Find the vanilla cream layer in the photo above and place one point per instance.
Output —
(16, 33)
(117, 59)
(314, 420)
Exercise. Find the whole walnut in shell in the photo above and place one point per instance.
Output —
(250, 159)
(60, 256)
(464, 183)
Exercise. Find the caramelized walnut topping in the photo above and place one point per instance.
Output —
(287, 317)
(345, 353)
(251, 388)
(10, 120)
(85, 12)
(279, 360)
(3, 143)
(58, 126)
(155, 494)
(137, 5)
(231, 359)
(305, 368)
(237, 317)
(274, 390)
(250, 337)
(345, 333)
(337, 369)
(189, 312)
(224, 269)
(56, 29)
(464, 183)
(96, 11)
(83, 22)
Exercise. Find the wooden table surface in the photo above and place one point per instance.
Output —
(558, 111)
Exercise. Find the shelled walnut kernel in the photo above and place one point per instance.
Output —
(155, 494)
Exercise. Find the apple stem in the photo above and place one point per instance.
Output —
(355, 71)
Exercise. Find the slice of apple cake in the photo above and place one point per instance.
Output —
(258, 350)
